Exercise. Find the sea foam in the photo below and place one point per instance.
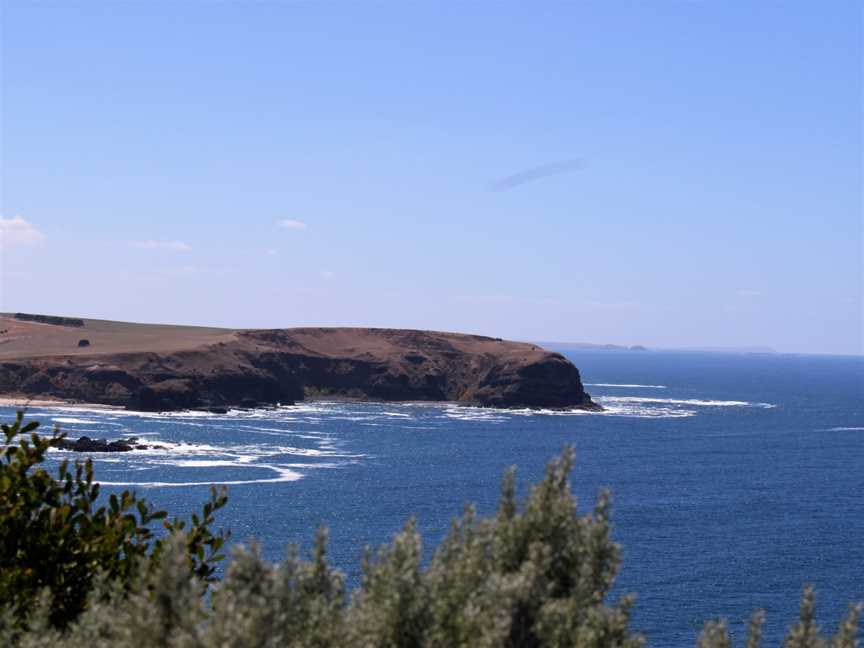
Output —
(626, 386)
(698, 402)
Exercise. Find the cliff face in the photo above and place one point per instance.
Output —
(254, 367)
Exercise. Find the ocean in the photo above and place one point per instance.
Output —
(735, 478)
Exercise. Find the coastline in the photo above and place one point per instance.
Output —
(146, 368)
(25, 403)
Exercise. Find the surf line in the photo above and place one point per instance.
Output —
(625, 386)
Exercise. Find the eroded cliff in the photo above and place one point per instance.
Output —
(147, 367)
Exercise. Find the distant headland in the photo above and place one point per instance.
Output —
(154, 367)
(589, 346)
(581, 346)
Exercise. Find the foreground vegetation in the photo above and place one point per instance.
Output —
(73, 573)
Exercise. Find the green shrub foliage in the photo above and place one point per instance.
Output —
(535, 574)
(55, 537)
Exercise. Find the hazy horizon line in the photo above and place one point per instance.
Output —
(598, 346)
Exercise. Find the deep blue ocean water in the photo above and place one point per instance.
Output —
(736, 478)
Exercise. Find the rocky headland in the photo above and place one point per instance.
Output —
(159, 368)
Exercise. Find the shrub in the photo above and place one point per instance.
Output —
(54, 536)
(529, 576)
(804, 634)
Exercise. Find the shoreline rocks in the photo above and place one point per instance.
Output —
(86, 444)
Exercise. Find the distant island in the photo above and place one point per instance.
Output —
(576, 346)
(153, 367)
(579, 346)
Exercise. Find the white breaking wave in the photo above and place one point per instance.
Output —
(634, 410)
(71, 420)
(316, 425)
(192, 456)
(464, 413)
(845, 429)
(627, 406)
(698, 402)
(189, 458)
(161, 448)
(159, 415)
(283, 475)
(626, 386)
(644, 410)
(202, 463)
(313, 466)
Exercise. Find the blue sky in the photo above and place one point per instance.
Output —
(281, 164)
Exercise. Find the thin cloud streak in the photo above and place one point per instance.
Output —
(507, 300)
(173, 246)
(289, 223)
(536, 173)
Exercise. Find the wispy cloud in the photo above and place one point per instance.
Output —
(623, 305)
(191, 271)
(507, 300)
(17, 231)
(173, 246)
(749, 293)
(536, 173)
(289, 223)
(327, 274)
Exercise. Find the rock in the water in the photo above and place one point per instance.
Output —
(86, 444)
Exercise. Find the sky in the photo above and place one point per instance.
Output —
(669, 174)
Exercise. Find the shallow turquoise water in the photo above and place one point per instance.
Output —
(735, 478)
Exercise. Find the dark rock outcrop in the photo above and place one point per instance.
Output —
(86, 444)
(265, 367)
